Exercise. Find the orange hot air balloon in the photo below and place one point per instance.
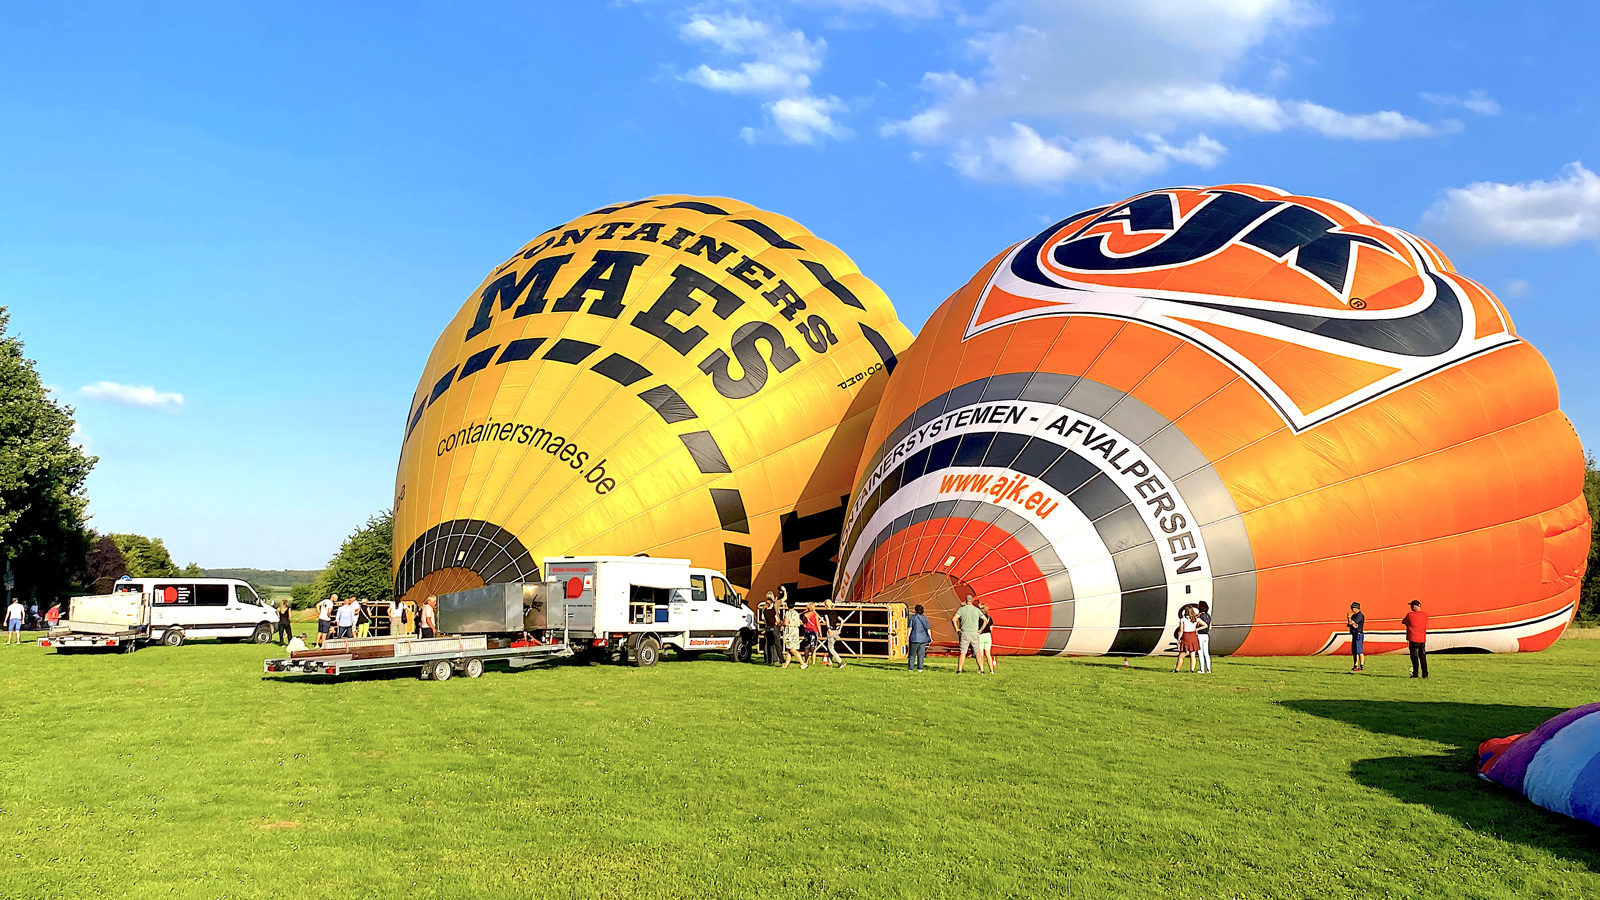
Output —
(1265, 402)
(677, 376)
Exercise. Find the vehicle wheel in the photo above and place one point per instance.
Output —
(648, 653)
(442, 670)
(173, 637)
(262, 634)
(740, 651)
(473, 668)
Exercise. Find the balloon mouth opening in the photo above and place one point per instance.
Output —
(939, 593)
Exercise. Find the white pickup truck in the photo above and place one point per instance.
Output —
(630, 607)
(163, 610)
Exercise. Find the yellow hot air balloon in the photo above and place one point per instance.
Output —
(677, 376)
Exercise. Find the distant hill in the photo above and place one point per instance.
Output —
(284, 578)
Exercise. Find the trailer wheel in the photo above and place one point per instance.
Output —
(442, 670)
(473, 668)
(648, 653)
(262, 634)
(173, 637)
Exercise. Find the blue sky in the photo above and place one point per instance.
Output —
(230, 233)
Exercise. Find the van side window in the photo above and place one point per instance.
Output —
(180, 594)
(726, 594)
(697, 588)
(127, 587)
(210, 595)
(244, 594)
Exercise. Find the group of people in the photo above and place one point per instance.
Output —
(19, 617)
(791, 636)
(1415, 622)
(351, 618)
(1194, 637)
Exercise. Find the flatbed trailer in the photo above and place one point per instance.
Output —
(435, 659)
(67, 640)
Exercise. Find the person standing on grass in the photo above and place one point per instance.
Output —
(397, 617)
(1203, 632)
(1356, 621)
(830, 634)
(968, 622)
(771, 631)
(1188, 639)
(285, 629)
(426, 618)
(53, 617)
(14, 622)
(791, 636)
(1416, 623)
(325, 618)
(920, 637)
(986, 637)
(344, 619)
(811, 634)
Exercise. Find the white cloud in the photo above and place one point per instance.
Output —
(132, 395)
(1517, 289)
(783, 60)
(1024, 157)
(1476, 101)
(1552, 213)
(780, 65)
(1106, 71)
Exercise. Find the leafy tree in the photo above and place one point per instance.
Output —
(304, 595)
(193, 570)
(105, 564)
(1589, 593)
(42, 498)
(361, 568)
(146, 557)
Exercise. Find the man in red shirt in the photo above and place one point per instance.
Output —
(1416, 623)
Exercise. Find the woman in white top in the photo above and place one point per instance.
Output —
(1188, 633)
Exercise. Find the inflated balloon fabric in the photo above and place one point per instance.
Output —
(678, 376)
(1557, 765)
(1266, 402)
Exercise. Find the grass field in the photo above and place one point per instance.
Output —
(183, 773)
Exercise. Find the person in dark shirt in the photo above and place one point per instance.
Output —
(1203, 632)
(921, 634)
(1357, 623)
(771, 631)
(1416, 623)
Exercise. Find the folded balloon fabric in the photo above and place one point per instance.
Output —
(1556, 765)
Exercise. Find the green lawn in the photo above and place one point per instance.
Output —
(183, 773)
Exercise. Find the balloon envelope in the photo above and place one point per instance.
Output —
(1557, 765)
(1232, 395)
(678, 376)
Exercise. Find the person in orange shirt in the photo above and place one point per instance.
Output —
(1416, 623)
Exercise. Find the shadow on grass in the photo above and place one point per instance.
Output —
(1449, 784)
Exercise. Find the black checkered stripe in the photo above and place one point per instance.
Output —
(482, 547)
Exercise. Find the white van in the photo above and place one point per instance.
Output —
(182, 608)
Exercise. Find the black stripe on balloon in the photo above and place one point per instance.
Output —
(607, 210)
(621, 369)
(519, 350)
(707, 455)
(697, 206)
(737, 564)
(1102, 501)
(766, 233)
(567, 350)
(885, 352)
(730, 510)
(477, 362)
(442, 385)
(668, 404)
(416, 418)
(833, 285)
